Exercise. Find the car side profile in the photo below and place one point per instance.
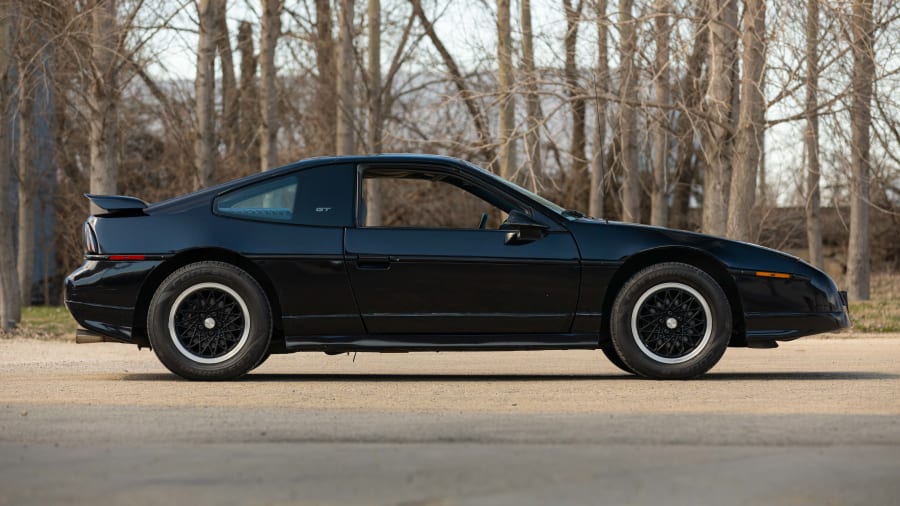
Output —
(289, 260)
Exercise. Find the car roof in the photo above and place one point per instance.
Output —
(190, 199)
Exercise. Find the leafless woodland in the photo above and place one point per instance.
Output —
(769, 121)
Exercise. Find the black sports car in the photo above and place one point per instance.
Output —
(287, 261)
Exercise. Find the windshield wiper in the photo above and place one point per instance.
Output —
(572, 213)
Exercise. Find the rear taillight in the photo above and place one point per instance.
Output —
(91, 247)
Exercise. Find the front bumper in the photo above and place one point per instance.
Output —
(789, 326)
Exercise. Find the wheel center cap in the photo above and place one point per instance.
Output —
(210, 323)
(671, 323)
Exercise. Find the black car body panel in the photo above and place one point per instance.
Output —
(341, 287)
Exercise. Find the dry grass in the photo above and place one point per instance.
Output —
(46, 323)
(882, 312)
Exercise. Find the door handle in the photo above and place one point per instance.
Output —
(373, 262)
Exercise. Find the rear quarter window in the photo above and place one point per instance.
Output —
(320, 196)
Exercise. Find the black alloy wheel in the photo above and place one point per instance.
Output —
(671, 321)
(210, 321)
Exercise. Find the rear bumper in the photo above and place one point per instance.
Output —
(102, 295)
(84, 336)
(111, 321)
(788, 326)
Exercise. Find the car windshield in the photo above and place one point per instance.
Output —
(558, 209)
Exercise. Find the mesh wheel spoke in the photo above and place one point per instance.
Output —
(199, 310)
(671, 322)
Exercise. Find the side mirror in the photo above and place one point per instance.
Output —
(522, 228)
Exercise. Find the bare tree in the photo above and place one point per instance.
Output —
(659, 199)
(573, 87)
(229, 82)
(268, 118)
(717, 145)
(345, 143)
(485, 147)
(813, 169)
(376, 106)
(628, 128)
(10, 298)
(598, 161)
(858, 262)
(204, 91)
(28, 183)
(532, 100)
(691, 95)
(103, 99)
(248, 110)
(748, 142)
(327, 79)
(505, 84)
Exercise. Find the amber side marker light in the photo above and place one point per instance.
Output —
(779, 275)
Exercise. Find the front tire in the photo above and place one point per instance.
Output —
(671, 321)
(610, 352)
(210, 321)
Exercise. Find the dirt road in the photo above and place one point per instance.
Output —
(814, 422)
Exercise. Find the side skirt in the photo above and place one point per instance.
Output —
(435, 342)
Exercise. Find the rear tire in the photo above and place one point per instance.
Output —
(210, 321)
(671, 321)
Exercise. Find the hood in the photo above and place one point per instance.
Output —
(594, 238)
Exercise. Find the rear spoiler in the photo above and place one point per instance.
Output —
(118, 204)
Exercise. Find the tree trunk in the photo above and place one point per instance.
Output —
(344, 141)
(27, 179)
(598, 161)
(10, 296)
(813, 218)
(691, 95)
(103, 113)
(718, 139)
(860, 121)
(751, 119)
(325, 92)
(532, 101)
(631, 187)
(229, 82)
(248, 100)
(762, 189)
(270, 30)
(505, 84)
(376, 112)
(204, 91)
(577, 150)
(659, 200)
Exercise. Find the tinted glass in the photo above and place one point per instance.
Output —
(321, 196)
(412, 199)
(269, 201)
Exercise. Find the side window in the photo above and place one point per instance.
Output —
(321, 196)
(413, 199)
(269, 201)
